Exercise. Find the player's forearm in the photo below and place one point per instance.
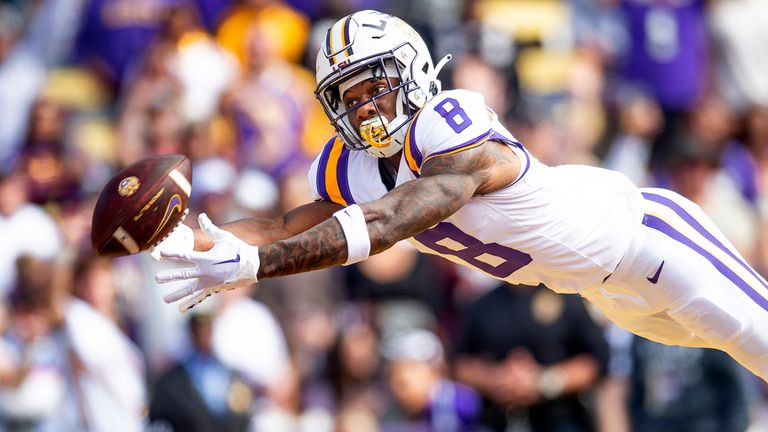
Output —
(252, 231)
(260, 231)
(407, 210)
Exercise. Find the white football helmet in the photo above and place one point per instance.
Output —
(370, 44)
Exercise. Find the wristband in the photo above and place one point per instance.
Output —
(353, 224)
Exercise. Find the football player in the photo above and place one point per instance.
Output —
(410, 161)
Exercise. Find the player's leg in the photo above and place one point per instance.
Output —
(713, 291)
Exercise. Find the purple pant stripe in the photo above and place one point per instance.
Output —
(658, 224)
(701, 230)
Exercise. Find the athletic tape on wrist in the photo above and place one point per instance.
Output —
(355, 230)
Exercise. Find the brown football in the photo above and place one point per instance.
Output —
(141, 204)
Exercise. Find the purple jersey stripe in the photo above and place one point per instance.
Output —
(343, 177)
(658, 224)
(496, 136)
(484, 136)
(701, 230)
(322, 190)
(415, 152)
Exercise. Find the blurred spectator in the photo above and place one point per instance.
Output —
(203, 69)
(400, 273)
(94, 284)
(353, 381)
(200, 393)
(22, 74)
(693, 171)
(425, 398)
(213, 11)
(680, 388)
(289, 411)
(25, 58)
(286, 27)
(114, 35)
(668, 50)
(272, 108)
(44, 159)
(32, 371)
(531, 353)
(26, 229)
(247, 338)
(102, 369)
(740, 32)
(640, 119)
(153, 88)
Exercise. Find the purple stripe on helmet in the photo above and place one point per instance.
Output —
(659, 225)
(701, 230)
(343, 177)
(322, 165)
(346, 35)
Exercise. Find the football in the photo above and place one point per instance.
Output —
(141, 204)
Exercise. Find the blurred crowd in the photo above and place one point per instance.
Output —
(673, 93)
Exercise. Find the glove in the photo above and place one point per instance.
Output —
(231, 263)
(181, 238)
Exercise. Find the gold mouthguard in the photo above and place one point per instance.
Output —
(374, 132)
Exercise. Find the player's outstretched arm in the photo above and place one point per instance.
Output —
(446, 184)
(259, 231)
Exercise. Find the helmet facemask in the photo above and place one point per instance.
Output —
(370, 44)
(385, 137)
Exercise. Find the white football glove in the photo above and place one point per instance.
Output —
(181, 238)
(231, 263)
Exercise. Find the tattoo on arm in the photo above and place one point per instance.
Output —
(446, 184)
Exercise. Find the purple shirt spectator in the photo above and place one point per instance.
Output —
(667, 49)
(212, 12)
(115, 33)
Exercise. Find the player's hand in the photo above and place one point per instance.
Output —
(181, 238)
(231, 263)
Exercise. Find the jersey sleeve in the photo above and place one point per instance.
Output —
(328, 175)
(451, 122)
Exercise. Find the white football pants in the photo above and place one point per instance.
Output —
(682, 283)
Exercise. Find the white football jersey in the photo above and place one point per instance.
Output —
(565, 226)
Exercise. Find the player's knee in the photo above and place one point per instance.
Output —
(712, 322)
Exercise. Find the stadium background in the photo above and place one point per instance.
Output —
(670, 92)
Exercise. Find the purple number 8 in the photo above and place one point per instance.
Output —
(492, 258)
(450, 114)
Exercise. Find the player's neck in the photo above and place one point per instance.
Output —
(394, 160)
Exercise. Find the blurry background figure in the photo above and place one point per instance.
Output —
(533, 355)
(102, 370)
(693, 170)
(114, 35)
(659, 387)
(273, 108)
(679, 388)
(425, 399)
(247, 338)
(25, 229)
(33, 368)
(200, 393)
(639, 120)
(286, 26)
(740, 32)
